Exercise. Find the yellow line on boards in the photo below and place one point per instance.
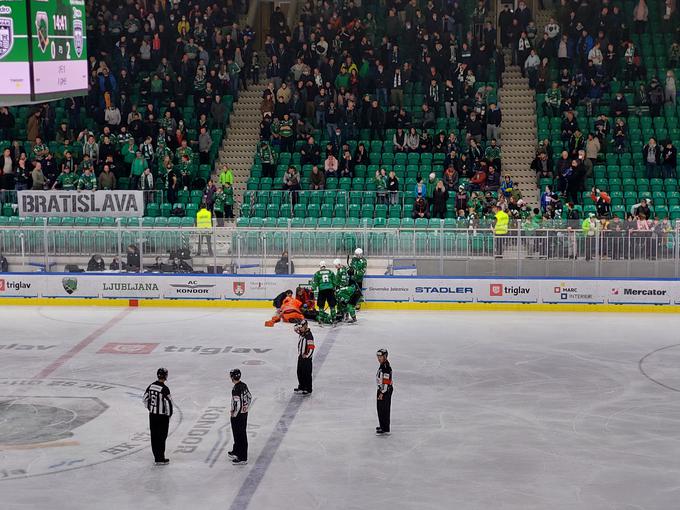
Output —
(373, 305)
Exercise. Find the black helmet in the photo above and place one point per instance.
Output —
(381, 352)
(235, 374)
(162, 373)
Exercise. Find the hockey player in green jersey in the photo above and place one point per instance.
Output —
(357, 270)
(345, 307)
(341, 274)
(324, 283)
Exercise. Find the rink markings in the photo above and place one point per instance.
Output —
(64, 358)
(642, 370)
(264, 460)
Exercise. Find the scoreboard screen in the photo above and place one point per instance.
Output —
(43, 50)
(15, 68)
(58, 47)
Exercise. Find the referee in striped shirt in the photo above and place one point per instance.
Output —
(157, 400)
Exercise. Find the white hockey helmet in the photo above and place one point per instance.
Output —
(358, 252)
(337, 262)
(322, 264)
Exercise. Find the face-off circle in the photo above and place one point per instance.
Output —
(54, 425)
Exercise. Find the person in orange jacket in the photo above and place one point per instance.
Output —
(602, 202)
(289, 311)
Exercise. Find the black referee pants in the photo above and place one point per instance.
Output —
(238, 429)
(384, 406)
(158, 425)
(304, 374)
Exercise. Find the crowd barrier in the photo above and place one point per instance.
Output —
(259, 290)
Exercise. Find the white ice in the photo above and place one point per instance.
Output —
(491, 411)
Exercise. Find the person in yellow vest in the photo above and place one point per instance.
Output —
(500, 230)
(204, 221)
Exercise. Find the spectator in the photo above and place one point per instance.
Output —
(291, 182)
(310, 152)
(380, 181)
(439, 200)
(282, 265)
(204, 145)
(493, 122)
(478, 181)
(96, 263)
(669, 156)
(592, 147)
(420, 209)
(139, 164)
(670, 91)
(106, 179)
(640, 16)
(393, 187)
(493, 180)
(87, 181)
(38, 177)
(412, 140)
(317, 179)
(651, 154)
(399, 140)
(619, 106)
(331, 165)
(602, 203)
(507, 187)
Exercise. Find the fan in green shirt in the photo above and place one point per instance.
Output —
(183, 150)
(87, 181)
(66, 180)
(139, 165)
(128, 151)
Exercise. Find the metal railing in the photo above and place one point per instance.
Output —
(430, 250)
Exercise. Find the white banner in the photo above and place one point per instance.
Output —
(116, 204)
(570, 291)
(640, 292)
(389, 289)
(507, 291)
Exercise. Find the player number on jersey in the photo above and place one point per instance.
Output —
(324, 278)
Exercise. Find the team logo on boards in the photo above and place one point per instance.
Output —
(6, 36)
(127, 348)
(239, 288)
(70, 284)
(78, 36)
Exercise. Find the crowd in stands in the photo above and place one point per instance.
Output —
(163, 76)
(596, 81)
(341, 79)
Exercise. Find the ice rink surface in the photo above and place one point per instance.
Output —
(490, 411)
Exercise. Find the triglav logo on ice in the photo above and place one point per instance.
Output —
(239, 288)
(12, 285)
(127, 348)
(70, 284)
(192, 287)
(498, 289)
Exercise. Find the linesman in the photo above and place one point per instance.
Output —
(157, 400)
(240, 403)
(384, 395)
(304, 363)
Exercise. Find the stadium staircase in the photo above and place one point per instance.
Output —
(241, 139)
(518, 130)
